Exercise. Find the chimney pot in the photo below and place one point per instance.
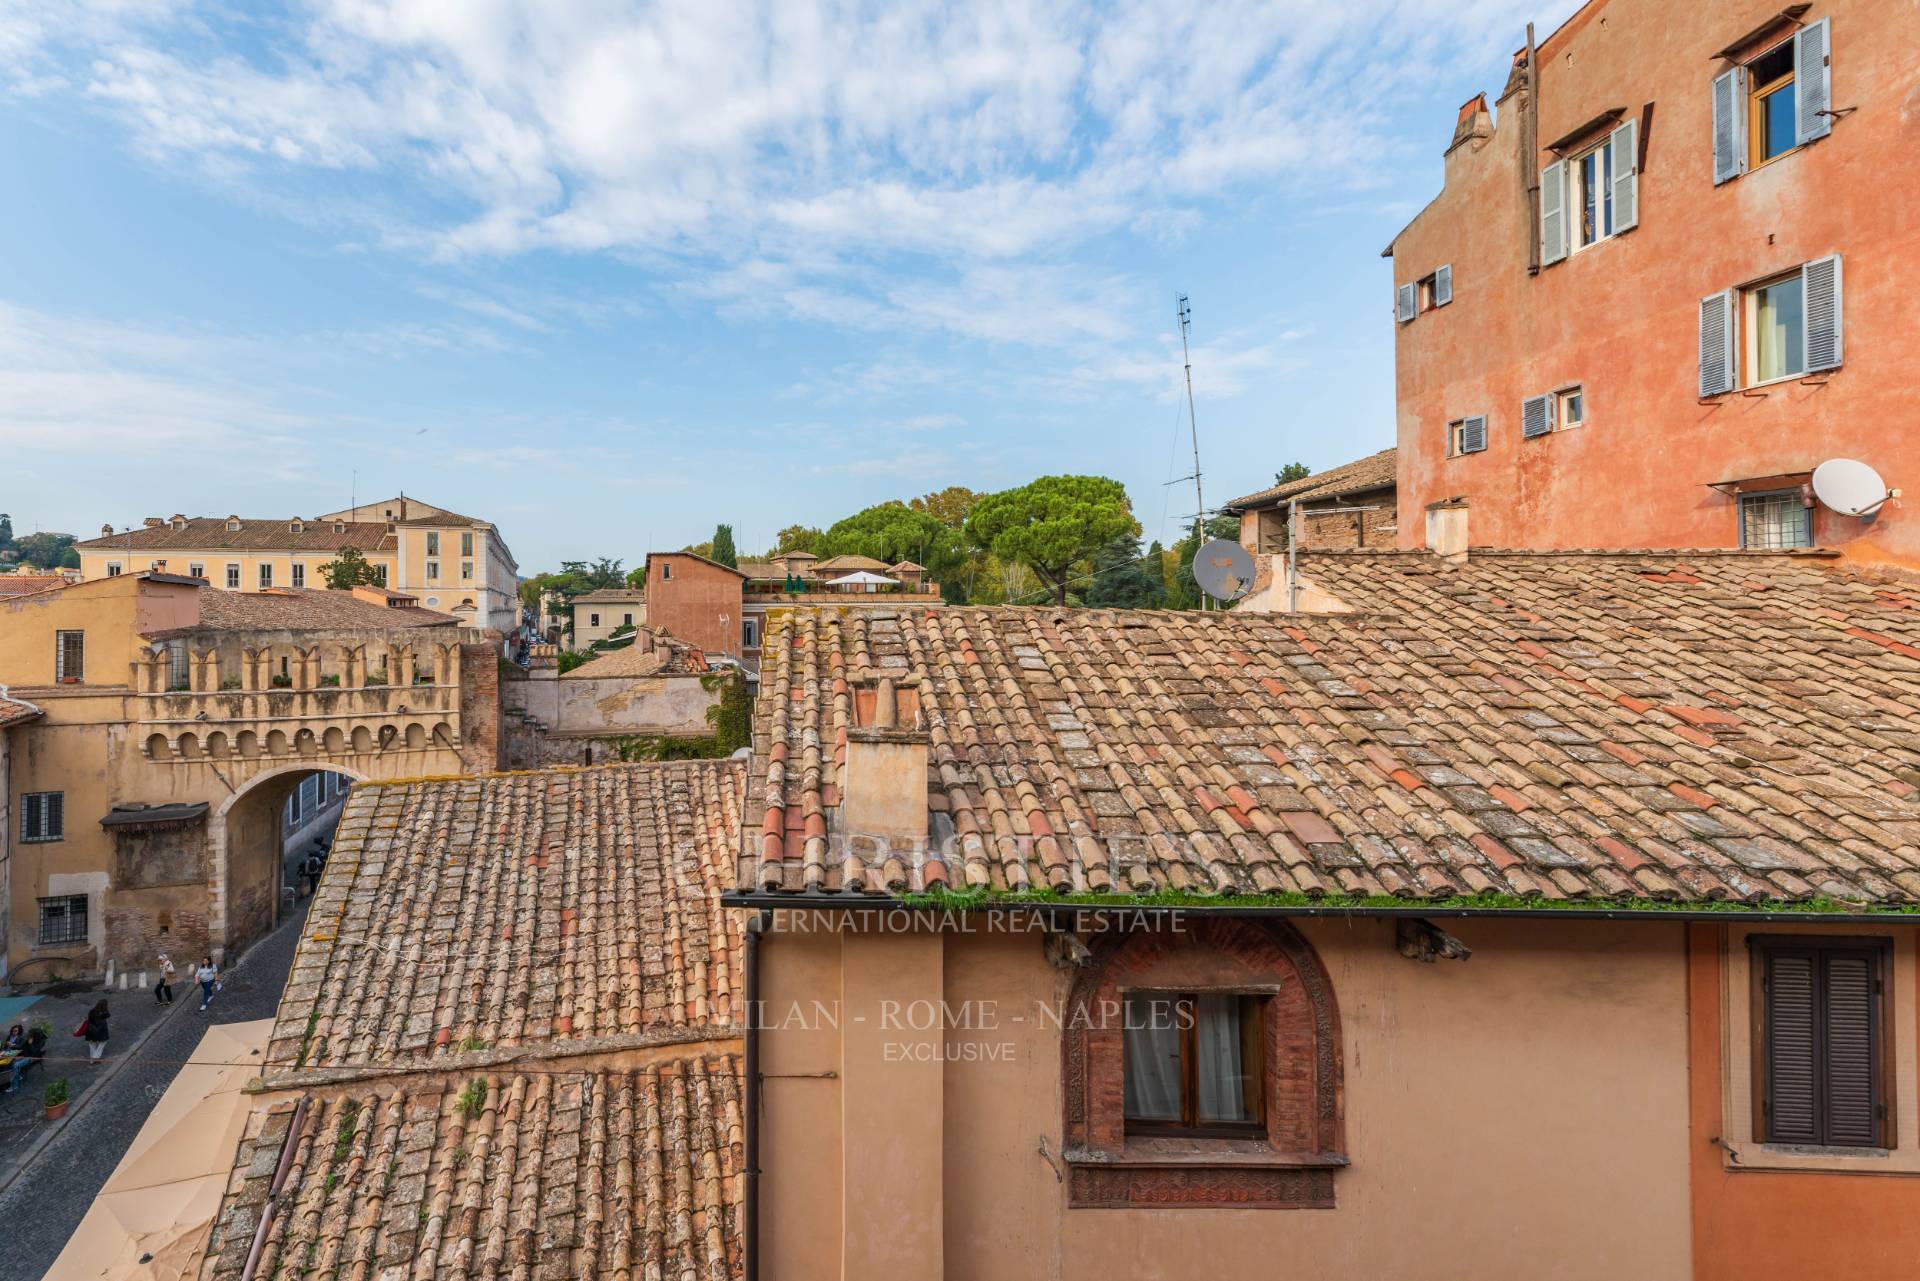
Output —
(884, 786)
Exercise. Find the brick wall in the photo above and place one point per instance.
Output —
(1347, 529)
(696, 601)
(480, 707)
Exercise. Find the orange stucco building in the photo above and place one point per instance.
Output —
(1670, 273)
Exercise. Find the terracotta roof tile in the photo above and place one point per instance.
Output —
(15, 712)
(21, 584)
(1375, 471)
(663, 658)
(616, 1172)
(302, 609)
(210, 533)
(507, 910)
(1510, 726)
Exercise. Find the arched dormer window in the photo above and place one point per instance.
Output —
(1201, 1062)
(178, 522)
(296, 526)
(233, 524)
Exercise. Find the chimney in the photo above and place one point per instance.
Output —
(1447, 529)
(884, 786)
(152, 522)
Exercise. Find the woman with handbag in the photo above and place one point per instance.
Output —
(94, 1029)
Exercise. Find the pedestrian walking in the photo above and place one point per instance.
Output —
(310, 872)
(94, 1029)
(163, 990)
(208, 976)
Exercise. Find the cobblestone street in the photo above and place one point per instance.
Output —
(44, 1203)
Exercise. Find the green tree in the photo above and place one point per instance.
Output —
(949, 506)
(1292, 472)
(1053, 525)
(723, 552)
(47, 551)
(637, 577)
(348, 570)
(798, 538)
(1124, 579)
(6, 532)
(893, 532)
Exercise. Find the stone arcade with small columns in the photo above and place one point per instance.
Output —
(178, 719)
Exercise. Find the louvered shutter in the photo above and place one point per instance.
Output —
(1813, 81)
(1473, 434)
(1405, 299)
(1536, 416)
(1443, 286)
(1626, 177)
(1820, 295)
(1792, 1052)
(1849, 1059)
(1553, 213)
(1718, 367)
(1729, 125)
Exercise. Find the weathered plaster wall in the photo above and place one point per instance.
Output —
(1621, 317)
(1510, 1106)
(552, 721)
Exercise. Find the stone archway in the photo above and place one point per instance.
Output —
(245, 850)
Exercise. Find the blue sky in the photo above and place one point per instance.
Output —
(608, 273)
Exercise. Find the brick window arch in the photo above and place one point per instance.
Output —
(1291, 1165)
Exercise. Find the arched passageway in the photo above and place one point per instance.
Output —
(250, 847)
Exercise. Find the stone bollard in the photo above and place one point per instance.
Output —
(108, 986)
(143, 980)
(123, 981)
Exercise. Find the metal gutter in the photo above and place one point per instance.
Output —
(764, 902)
(750, 1211)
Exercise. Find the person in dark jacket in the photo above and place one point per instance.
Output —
(95, 1030)
(31, 1052)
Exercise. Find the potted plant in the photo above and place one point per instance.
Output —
(57, 1094)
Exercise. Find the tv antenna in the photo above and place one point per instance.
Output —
(1184, 312)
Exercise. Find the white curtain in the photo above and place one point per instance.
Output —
(1152, 1043)
(1220, 1072)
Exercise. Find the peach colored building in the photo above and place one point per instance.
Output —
(1668, 275)
(1563, 939)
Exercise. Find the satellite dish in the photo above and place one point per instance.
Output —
(1849, 487)
(1223, 569)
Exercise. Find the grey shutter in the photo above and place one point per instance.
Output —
(1719, 369)
(1405, 299)
(1792, 1101)
(1536, 415)
(1820, 295)
(1553, 213)
(1848, 1050)
(1473, 434)
(1813, 80)
(1626, 177)
(1443, 286)
(1729, 125)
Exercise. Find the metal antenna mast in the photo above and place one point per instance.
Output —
(1185, 314)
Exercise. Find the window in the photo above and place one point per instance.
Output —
(1819, 1041)
(196, 570)
(380, 573)
(63, 920)
(1774, 103)
(1194, 1064)
(593, 620)
(1424, 294)
(233, 578)
(43, 816)
(113, 569)
(433, 544)
(1553, 411)
(433, 571)
(70, 657)
(156, 567)
(1775, 520)
(1592, 176)
(466, 571)
(1572, 406)
(1786, 326)
(233, 524)
(179, 672)
(750, 633)
(1593, 195)
(1466, 435)
(666, 571)
(466, 543)
(626, 620)
(266, 576)
(299, 574)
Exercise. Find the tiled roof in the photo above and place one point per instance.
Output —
(1375, 471)
(666, 658)
(611, 596)
(21, 584)
(15, 712)
(514, 909)
(851, 564)
(615, 1172)
(704, 560)
(1677, 726)
(302, 609)
(210, 533)
(760, 569)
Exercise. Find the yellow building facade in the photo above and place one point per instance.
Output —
(451, 562)
(145, 799)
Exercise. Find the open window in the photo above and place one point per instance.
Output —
(1775, 328)
(1466, 435)
(1594, 193)
(1774, 102)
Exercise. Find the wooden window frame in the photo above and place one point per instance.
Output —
(234, 582)
(1190, 1126)
(1757, 95)
(1747, 317)
(263, 575)
(1760, 950)
(1577, 194)
(298, 575)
